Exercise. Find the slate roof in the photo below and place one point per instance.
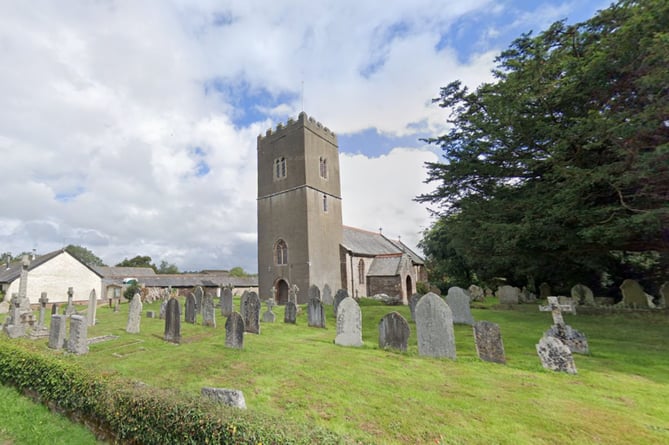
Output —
(385, 266)
(11, 273)
(192, 280)
(364, 242)
(123, 272)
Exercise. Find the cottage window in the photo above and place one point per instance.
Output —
(281, 252)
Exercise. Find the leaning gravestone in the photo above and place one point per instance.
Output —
(290, 315)
(508, 294)
(226, 301)
(582, 294)
(412, 305)
(316, 313)
(555, 355)
(349, 323)
(458, 300)
(434, 327)
(190, 309)
(134, 315)
(488, 341)
(208, 311)
(172, 321)
(57, 331)
(92, 308)
(251, 313)
(314, 292)
(633, 294)
(199, 295)
(234, 331)
(338, 298)
(394, 332)
(326, 297)
(269, 316)
(78, 341)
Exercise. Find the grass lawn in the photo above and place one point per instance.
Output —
(620, 394)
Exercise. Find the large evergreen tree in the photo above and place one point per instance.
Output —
(560, 167)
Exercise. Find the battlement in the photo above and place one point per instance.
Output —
(302, 121)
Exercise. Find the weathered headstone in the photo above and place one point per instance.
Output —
(545, 290)
(54, 308)
(208, 311)
(24, 302)
(251, 313)
(91, 310)
(199, 295)
(43, 301)
(69, 310)
(78, 341)
(224, 396)
(13, 326)
(476, 293)
(293, 293)
(573, 339)
(326, 296)
(555, 355)
(269, 316)
(57, 331)
(226, 301)
(525, 296)
(394, 332)
(234, 331)
(172, 321)
(163, 309)
(583, 295)
(664, 295)
(290, 315)
(458, 300)
(508, 294)
(316, 313)
(633, 294)
(4, 306)
(412, 305)
(134, 315)
(349, 323)
(338, 298)
(242, 303)
(190, 310)
(314, 292)
(150, 314)
(434, 327)
(488, 340)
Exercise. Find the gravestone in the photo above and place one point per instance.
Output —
(150, 314)
(573, 339)
(78, 341)
(458, 300)
(190, 310)
(349, 323)
(43, 301)
(664, 295)
(314, 292)
(326, 296)
(242, 303)
(316, 313)
(582, 294)
(234, 331)
(545, 290)
(412, 305)
(434, 327)
(488, 341)
(633, 294)
(13, 326)
(172, 321)
(394, 332)
(208, 311)
(338, 298)
(57, 331)
(476, 293)
(199, 295)
(4, 306)
(555, 355)
(163, 309)
(226, 301)
(91, 310)
(251, 313)
(525, 296)
(69, 310)
(292, 293)
(24, 302)
(290, 315)
(134, 315)
(508, 294)
(268, 316)
(224, 396)
(54, 308)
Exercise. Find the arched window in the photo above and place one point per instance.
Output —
(281, 252)
(324, 167)
(325, 203)
(280, 168)
(361, 272)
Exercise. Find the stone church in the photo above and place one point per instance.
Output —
(301, 238)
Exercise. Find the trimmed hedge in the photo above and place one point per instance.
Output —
(133, 413)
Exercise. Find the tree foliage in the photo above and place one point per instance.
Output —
(562, 164)
(138, 261)
(84, 255)
(166, 267)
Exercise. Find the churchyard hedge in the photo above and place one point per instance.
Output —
(126, 412)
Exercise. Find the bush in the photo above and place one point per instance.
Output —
(132, 289)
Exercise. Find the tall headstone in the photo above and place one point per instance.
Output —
(458, 300)
(172, 321)
(290, 314)
(134, 315)
(92, 308)
(582, 294)
(664, 295)
(78, 341)
(488, 341)
(269, 316)
(199, 295)
(349, 323)
(251, 313)
(43, 301)
(508, 294)
(412, 305)
(57, 331)
(69, 310)
(394, 332)
(234, 331)
(314, 292)
(226, 301)
(190, 309)
(434, 327)
(338, 298)
(316, 313)
(24, 302)
(555, 355)
(208, 311)
(633, 294)
(326, 296)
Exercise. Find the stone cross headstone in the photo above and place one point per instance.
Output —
(488, 341)
(458, 300)
(234, 331)
(508, 294)
(226, 301)
(43, 301)
(583, 295)
(24, 302)
(545, 290)
(434, 327)
(12, 325)
(314, 292)
(293, 292)
(199, 295)
(412, 305)
(315, 313)
(134, 315)
(92, 308)
(208, 311)
(349, 323)
(633, 294)
(78, 341)
(269, 316)
(190, 310)
(57, 331)
(172, 321)
(573, 339)
(555, 355)
(326, 296)
(338, 298)
(555, 308)
(394, 332)
(290, 315)
(251, 313)
(70, 303)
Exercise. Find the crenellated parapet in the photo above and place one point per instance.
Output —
(302, 121)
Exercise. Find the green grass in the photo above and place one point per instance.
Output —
(620, 394)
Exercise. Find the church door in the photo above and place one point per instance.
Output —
(409, 287)
(281, 292)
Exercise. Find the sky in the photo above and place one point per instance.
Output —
(130, 127)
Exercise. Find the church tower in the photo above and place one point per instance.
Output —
(299, 209)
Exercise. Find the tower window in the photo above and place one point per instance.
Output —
(324, 168)
(325, 203)
(361, 272)
(281, 252)
(280, 168)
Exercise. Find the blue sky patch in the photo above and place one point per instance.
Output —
(373, 144)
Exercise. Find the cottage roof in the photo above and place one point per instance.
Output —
(13, 271)
(364, 242)
(385, 265)
(200, 279)
(124, 272)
